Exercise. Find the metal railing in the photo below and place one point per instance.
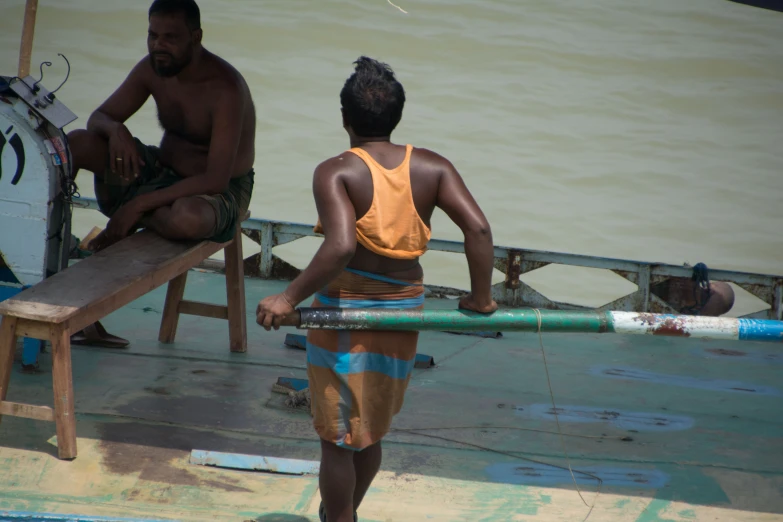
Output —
(514, 262)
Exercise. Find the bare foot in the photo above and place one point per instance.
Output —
(100, 242)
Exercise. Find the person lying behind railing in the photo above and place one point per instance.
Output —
(697, 295)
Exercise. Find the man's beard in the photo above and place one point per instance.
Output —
(173, 67)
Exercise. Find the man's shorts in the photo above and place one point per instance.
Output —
(113, 191)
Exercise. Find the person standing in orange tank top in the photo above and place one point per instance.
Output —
(375, 202)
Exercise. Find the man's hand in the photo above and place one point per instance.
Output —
(485, 306)
(272, 310)
(123, 154)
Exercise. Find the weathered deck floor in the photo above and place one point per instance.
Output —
(706, 426)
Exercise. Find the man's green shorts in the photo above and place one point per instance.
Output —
(113, 191)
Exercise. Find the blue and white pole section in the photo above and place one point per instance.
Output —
(530, 320)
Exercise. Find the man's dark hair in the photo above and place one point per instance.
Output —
(187, 8)
(372, 99)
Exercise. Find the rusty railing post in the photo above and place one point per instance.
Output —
(267, 243)
(643, 282)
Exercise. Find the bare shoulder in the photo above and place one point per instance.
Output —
(340, 165)
(226, 77)
(428, 162)
(142, 71)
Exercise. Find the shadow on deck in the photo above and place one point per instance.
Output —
(678, 429)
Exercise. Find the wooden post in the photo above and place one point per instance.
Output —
(235, 293)
(7, 347)
(28, 31)
(174, 293)
(62, 377)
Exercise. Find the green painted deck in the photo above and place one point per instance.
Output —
(680, 429)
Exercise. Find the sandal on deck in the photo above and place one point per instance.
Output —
(96, 335)
(322, 514)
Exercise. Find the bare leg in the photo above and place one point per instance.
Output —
(721, 299)
(187, 218)
(89, 151)
(679, 293)
(366, 464)
(337, 482)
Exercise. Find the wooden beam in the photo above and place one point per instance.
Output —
(235, 293)
(33, 330)
(28, 32)
(174, 293)
(203, 309)
(62, 377)
(28, 411)
(7, 347)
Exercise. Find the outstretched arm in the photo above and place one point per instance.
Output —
(456, 201)
(338, 219)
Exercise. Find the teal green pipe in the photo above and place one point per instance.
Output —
(527, 320)
(519, 320)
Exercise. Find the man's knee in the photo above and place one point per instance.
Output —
(88, 150)
(191, 218)
(721, 299)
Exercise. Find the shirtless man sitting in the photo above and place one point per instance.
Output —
(197, 184)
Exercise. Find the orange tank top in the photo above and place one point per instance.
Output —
(392, 226)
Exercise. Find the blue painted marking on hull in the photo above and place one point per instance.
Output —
(624, 420)
(294, 384)
(296, 341)
(51, 517)
(760, 330)
(32, 347)
(254, 462)
(738, 356)
(532, 474)
(633, 374)
(8, 291)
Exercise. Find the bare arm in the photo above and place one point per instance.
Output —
(458, 203)
(122, 104)
(338, 218)
(227, 122)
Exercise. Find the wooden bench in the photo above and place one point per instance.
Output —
(97, 286)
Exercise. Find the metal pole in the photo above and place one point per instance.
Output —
(528, 320)
(28, 31)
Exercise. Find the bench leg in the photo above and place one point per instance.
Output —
(235, 293)
(63, 393)
(7, 346)
(174, 293)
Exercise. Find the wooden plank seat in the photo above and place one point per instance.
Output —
(99, 285)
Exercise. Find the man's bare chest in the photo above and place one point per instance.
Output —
(186, 113)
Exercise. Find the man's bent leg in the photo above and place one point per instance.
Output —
(89, 151)
(337, 481)
(366, 464)
(186, 218)
(721, 299)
